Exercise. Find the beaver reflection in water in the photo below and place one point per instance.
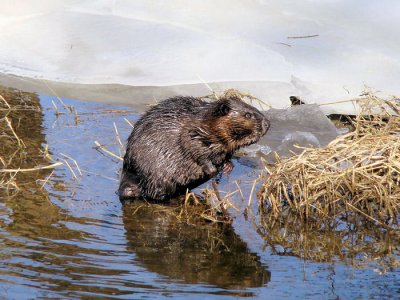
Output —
(184, 141)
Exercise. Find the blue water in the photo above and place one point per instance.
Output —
(74, 239)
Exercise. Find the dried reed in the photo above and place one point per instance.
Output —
(193, 209)
(18, 148)
(247, 97)
(357, 174)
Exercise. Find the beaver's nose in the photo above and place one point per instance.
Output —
(265, 124)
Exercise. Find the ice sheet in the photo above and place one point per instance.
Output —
(145, 43)
(303, 125)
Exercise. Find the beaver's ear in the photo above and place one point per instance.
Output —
(221, 109)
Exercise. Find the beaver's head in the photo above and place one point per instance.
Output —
(236, 123)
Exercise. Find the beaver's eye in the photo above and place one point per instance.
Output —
(248, 115)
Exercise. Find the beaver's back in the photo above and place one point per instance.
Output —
(167, 117)
(154, 152)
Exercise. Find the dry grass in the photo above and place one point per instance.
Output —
(357, 174)
(194, 209)
(342, 201)
(20, 142)
(355, 243)
(247, 97)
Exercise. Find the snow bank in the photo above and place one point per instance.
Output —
(321, 51)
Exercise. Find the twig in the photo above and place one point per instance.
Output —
(252, 191)
(76, 117)
(31, 169)
(107, 151)
(70, 169)
(303, 36)
(76, 164)
(208, 87)
(118, 138)
(221, 202)
(47, 179)
(8, 105)
(368, 216)
(240, 190)
(69, 108)
(14, 133)
(129, 122)
(342, 101)
(56, 109)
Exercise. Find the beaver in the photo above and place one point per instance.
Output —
(182, 142)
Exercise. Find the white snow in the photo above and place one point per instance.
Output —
(160, 43)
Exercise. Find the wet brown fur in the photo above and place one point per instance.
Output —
(184, 141)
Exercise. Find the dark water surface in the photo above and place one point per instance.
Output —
(67, 236)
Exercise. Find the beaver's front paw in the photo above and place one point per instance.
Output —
(210, 169)
(228, 167)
